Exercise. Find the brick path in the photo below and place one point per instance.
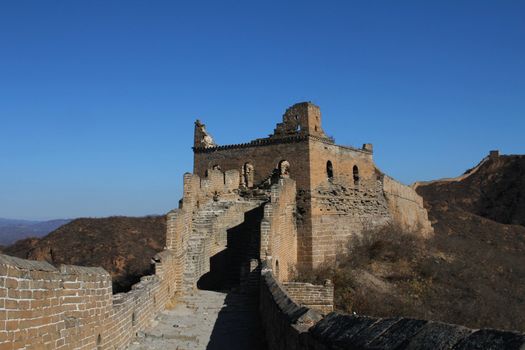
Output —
(206, 320)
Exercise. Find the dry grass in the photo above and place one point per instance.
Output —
(388, 272)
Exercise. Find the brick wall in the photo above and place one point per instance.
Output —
(313, 296)
(343, 160)
(264, 157)
(406, 207)
(340, 192)
(285, 322)
(322, 232)
(278, 228)
(72, 307)
(197, 232)
(340, 210)
(342, 203)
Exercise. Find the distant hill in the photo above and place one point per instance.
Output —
(480, 228)
(123, 246)
(12, 230)
(495, 190)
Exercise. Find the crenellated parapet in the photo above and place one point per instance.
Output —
(73, 307)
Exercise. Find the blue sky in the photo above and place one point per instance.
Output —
(98, 98)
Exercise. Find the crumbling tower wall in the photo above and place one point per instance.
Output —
(340, 192)
(198, 231)
(279, 229)
(406, 207)
(346, 198)
(300, 119)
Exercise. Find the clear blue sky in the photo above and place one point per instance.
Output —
(98, 98)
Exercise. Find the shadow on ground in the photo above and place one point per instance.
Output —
(237, 325)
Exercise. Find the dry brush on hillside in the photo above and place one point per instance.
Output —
(389, 273)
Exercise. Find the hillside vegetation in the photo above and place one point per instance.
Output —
(472, 272)
(123, 246)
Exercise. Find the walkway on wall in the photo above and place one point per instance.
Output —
(206, 320)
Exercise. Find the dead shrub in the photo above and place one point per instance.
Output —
(365, 252)
(387, 243)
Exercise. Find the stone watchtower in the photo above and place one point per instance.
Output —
(301, 119)
(340, 191)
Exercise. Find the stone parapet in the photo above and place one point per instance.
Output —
(72, 307)
(313, 296)
(289, 325)
(406, 207)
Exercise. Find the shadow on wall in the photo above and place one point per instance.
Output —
(230, 267)
(214, 279)
(235, 270)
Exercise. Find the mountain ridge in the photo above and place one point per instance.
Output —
(12, 230)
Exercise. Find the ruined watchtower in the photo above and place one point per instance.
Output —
(339, 190)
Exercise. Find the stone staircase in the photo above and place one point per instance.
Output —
(199, 242)
(209, 237)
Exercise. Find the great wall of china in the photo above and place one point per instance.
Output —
(250, 215)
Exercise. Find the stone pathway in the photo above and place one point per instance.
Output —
(206, 320)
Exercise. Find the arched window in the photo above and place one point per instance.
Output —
(99, 342)
(329, 170)
(133, 319)
(356, 175)
(277, 269)
(284, 168)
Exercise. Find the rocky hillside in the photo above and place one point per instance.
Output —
(123, 246)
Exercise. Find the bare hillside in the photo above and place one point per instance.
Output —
(123, 246)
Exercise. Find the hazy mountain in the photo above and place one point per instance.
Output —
(12, 230)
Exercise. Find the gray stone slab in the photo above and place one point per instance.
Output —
(488, 339)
